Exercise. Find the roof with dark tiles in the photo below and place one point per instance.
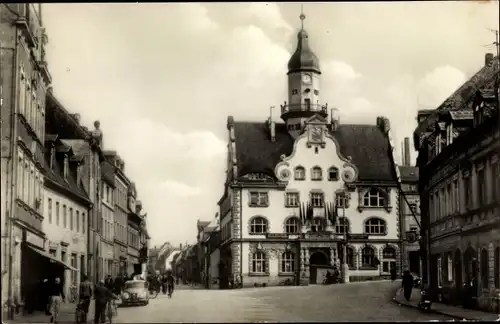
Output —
(56, 175)
(408, 173)
(108, 172)
(367, 145)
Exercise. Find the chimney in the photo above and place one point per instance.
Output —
(272, 129)
(407, 157)
(488, 59)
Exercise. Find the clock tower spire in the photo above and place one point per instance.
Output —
(303, 85)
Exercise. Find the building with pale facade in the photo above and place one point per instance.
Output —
(298, 192)
(459, 164)
(107, 262)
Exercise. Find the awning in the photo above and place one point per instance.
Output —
(51, 258)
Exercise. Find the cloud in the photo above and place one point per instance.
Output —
(439, 84)
(178, 189)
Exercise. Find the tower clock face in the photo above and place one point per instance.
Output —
(306, 78)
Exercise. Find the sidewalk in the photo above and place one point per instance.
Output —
(451, 311)
(66, 315)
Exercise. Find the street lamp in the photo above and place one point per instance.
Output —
(344, 196)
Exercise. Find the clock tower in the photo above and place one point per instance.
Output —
(304, 77)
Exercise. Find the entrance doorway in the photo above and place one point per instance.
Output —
(317, 260)
(458, 275)
(471, 265)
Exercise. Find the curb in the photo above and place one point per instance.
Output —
(432, 311)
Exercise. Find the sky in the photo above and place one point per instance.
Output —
(162, 79)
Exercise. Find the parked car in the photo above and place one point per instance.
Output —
(135, 292)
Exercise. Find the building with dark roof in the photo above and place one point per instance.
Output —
(295, 190)
(459, 182)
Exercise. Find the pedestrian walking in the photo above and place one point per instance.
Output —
(407, 284)
(57, 296)
(102, 296)
(85, 293)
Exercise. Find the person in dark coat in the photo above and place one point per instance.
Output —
(102, 296)
(118, 285)
(407, 284)
(109, 283)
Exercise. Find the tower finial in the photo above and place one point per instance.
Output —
(302, 16)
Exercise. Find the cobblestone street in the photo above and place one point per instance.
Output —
(353, 302)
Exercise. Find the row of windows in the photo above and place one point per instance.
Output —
(373, 226)
(133, 238)
(121, 196)
(446, 200)
(107, 229)
(30, 106)
(29, 183)
(73, 219)
(288, 262)
(373, 198)
(107, 193)
(446, 270)
(316, 173)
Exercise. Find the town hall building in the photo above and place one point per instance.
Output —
(308, 194)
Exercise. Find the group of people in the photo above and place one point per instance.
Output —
(164, 283)
(102, 295)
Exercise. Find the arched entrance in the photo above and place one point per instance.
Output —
(458, 274)
(317, 260)
(471, 267)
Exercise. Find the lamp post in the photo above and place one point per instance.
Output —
(345, 266)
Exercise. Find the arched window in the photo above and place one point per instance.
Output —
(350, 257)
(258, 225)
(300, 173)
(259, 262)
(496, 268)
(342, 226)
(333, 174)
(317, 225)
(292, 225)
(375, 226)
(484, 268)
(287, 262)
(368, 256)
(316, 173)
(374, 198)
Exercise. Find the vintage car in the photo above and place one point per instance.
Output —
(135, 292)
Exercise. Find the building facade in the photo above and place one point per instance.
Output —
(409, 211)
(24, 80)
(133, 238)
(120, 213)
(108, 219)
(459, 184)
(308, 193)
(66, 209)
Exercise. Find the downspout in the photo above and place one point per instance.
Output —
(9, 218)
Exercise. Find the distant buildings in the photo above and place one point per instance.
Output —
(57, 202)
(459, 145)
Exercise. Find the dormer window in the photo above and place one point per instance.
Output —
(438, 144)
(449, 134)
(66, 167)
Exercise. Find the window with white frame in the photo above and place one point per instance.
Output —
(439, 271)
(342, 226)
(32, 186)
(58, 215)
(292, 199)
(375, 226)
(71, 220)
(300, 173)
(317, 199)
(22, 92)
(84, 223)
(374, 198)
(66, 166)
(258, 225)
(77, 221)
(317, 224)
(388, 259)
(49, 210)
(28, 103)
(350, 256)
(449, 261)
(292, 225)
(259, 262)
(341, 200)
(333, 174)
(287, 262)
(316, 173)
(65, 216)
(259, 199)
